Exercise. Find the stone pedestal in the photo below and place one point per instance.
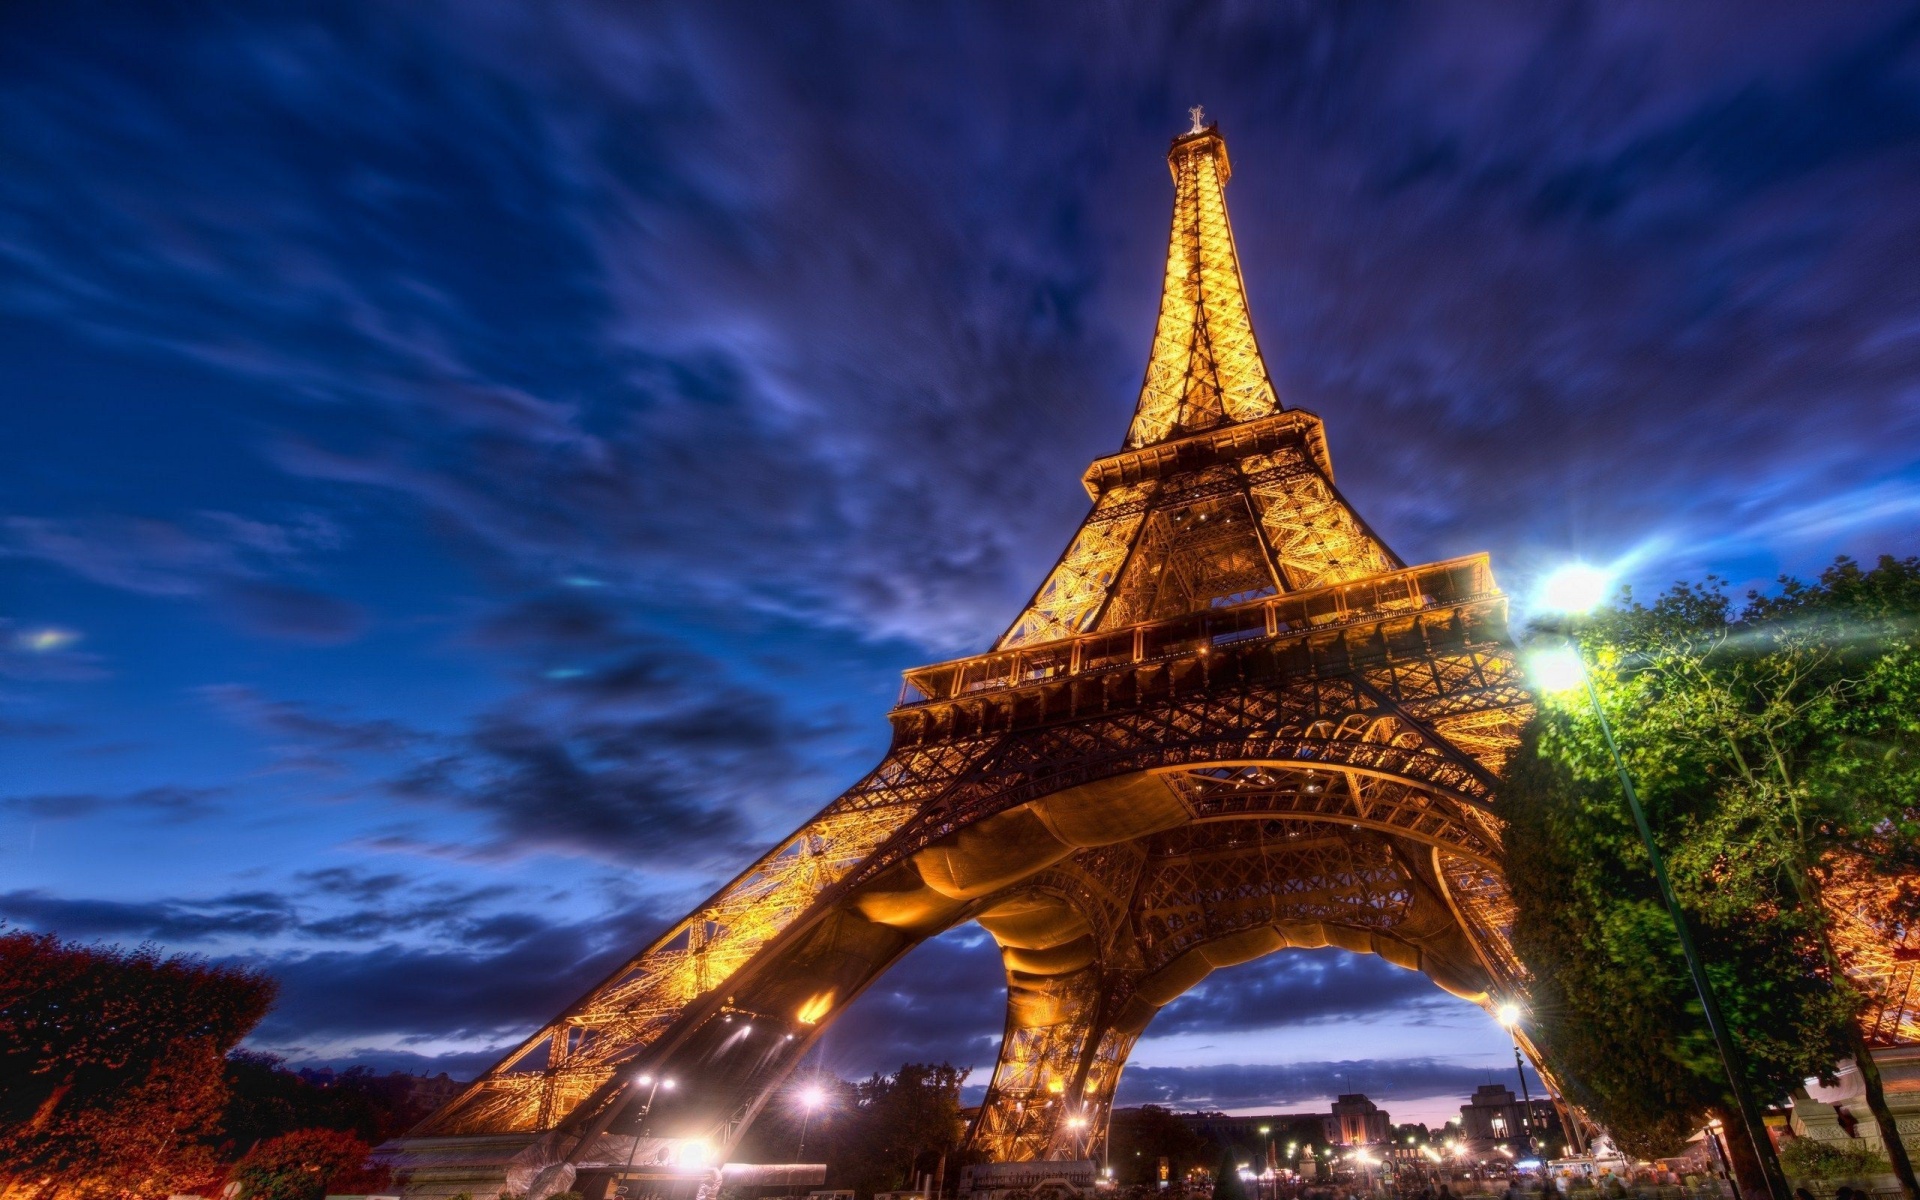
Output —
(1840, 1114)
(482, 1167)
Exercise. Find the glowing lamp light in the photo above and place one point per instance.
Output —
(815, 1008)
(1574, 589)
(643, 1080)
(1556, 669)
(812, 1098)
(1076, 1122)
(696, 1153)
(1509, 1014)
(667, 1084)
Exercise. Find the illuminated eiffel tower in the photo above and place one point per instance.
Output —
(1230, 721)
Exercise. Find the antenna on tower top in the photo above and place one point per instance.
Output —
(1199, 116)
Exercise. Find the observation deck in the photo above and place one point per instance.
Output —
(1323, 615)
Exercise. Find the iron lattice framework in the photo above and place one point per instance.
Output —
(1229, 721)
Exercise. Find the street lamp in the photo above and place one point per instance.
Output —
(1078, 1123)
(1575, 591)
(653, 1084)
(1509, 1015)
(811, 1098)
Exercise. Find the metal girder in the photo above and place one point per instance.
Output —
(1224, 891)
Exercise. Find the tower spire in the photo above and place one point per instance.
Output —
(1205, 368)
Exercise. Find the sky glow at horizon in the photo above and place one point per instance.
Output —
(471, 475)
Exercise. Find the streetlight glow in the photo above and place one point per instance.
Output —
(667, 1084)
(1509, 1014)
(1556, 669)
(1574, 589)
(643, 1080)
(813, 1097)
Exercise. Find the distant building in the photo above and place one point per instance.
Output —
(431, 1093)
(1289, 1137)
(1358, 1121)
(1302, 1129)
(1496, 1118)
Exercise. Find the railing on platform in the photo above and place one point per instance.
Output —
(1435, 585)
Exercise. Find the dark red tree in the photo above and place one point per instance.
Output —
(112, 1063)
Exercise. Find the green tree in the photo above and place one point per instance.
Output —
(1774, 747)
(877, 1135)
(111, 1062)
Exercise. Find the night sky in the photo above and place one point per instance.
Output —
(472, 473)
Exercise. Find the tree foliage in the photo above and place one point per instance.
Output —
(1805, 1158)
(265, 1100)
(305, 1165)
(878, 1134)
(1772, 746)
(111, 1062)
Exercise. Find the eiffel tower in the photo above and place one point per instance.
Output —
(1230, 721)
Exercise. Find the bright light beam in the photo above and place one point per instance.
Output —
(1556, 669)
(1574, 589)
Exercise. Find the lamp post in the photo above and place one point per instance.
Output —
(810, 1099)
(1266, 1149)
(1575, 591)
(653, 1084)
(1078, 1124)
(1509, 1015)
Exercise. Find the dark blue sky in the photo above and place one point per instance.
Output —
(470, 474)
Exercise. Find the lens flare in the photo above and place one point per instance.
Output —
(1555, 669)
(1575, 588)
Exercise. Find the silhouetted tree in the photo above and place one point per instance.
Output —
(1227, 1184)
(267, 1100)
(878, 1134)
